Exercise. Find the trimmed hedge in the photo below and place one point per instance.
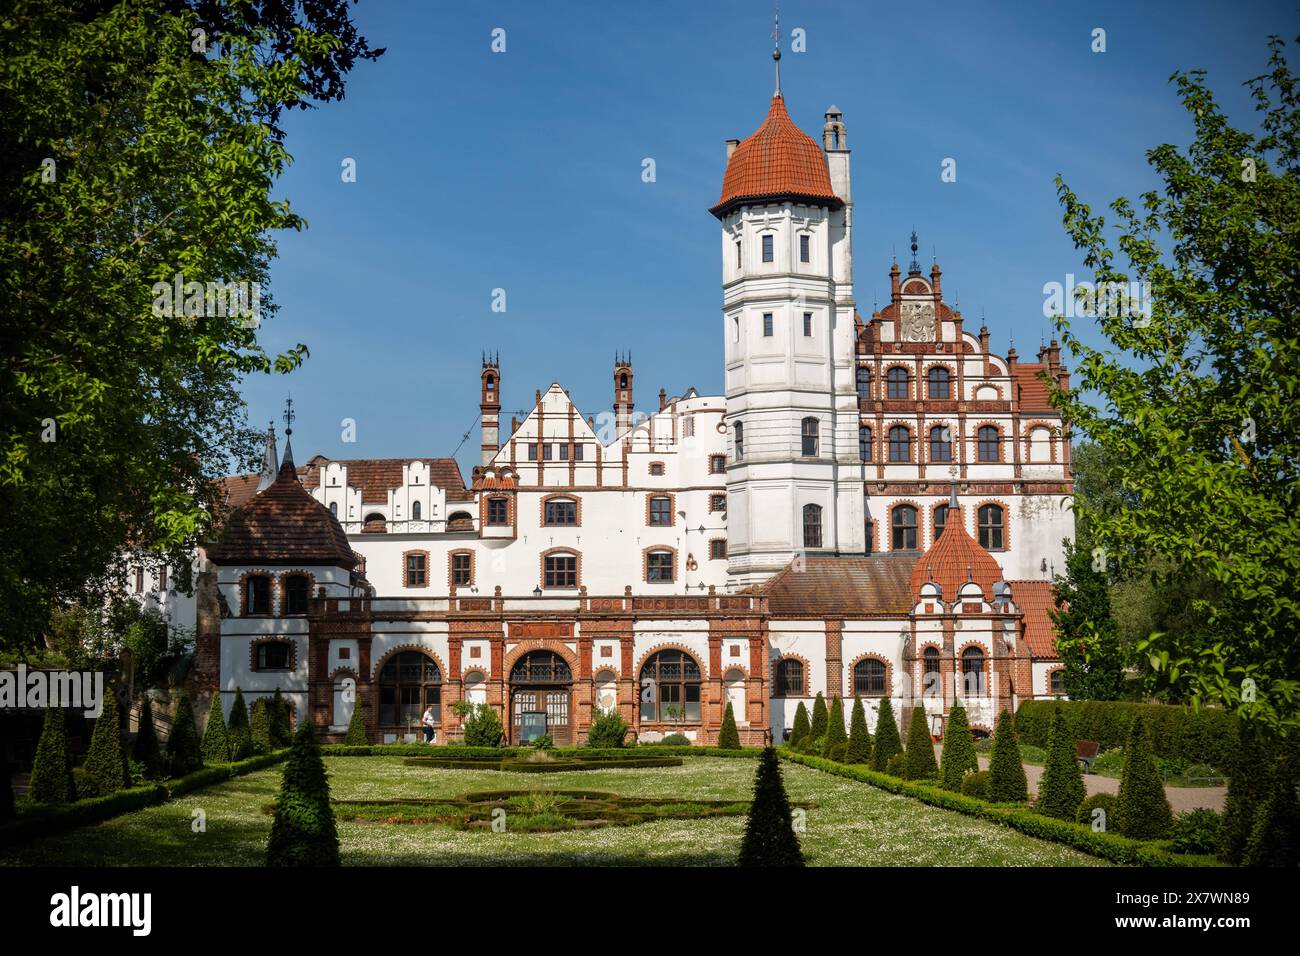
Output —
(460, 752)
(1205, 736)
(728, 736)
(1116, 849)
(887, 743)
(802, 726)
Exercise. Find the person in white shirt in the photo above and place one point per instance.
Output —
(430, 724)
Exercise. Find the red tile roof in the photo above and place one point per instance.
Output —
(1033, 390)
(283, 525)
(840, 586)
(778, 160)
(375, 477)
(955, 559)
(1036, 599)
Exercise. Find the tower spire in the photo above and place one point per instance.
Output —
(289, 417)
(776, 43)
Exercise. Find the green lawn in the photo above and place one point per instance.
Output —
(852, 824)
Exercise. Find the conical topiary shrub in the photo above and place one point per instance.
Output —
(801, 728)
(1144, 812)
(835, 744)
(281, 729)
(769, 832)
(260, 726)
(1007, 783)
(1061, 790)
(859, 749)
(238, 732)
(357, 727)
(819, 719)
(146, 751)
(728, 736)
(303, 831)
(216, 738)
(51, 780)
(105, 770)
(887, 742)
(1275, 839)
(920, 763)
(184, 749)
(959, 756)
(1249, 785)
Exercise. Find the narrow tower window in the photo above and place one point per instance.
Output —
(767, 248)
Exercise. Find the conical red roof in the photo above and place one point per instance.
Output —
(955, 559)
(778, 161)
(284, 525)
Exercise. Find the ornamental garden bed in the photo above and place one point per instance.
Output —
(540, 763)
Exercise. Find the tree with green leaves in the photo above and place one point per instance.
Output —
(184, 748)
(801, 728)
(483, 726)
(958, 758)
(105, 766)
(888, 742)
(729, 736)
(133, 157)
(51, 779)
(259, 726)
(859, 749)
(1144, 812)
(1087, 636)
(303, 832)
(819, 718)
(920, 763)
(770, 839)
(238, 732)
(145, 751)
(1061, 789)
(1275, 838)
(216, 738)
(357, 736)
(1007, 782)
(1195, 391)
(281, 729)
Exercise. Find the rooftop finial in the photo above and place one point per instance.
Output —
(288, 416)
(776, 43)
(914, 266)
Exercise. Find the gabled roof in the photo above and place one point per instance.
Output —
(283, 525)
(375, 477)
(777, 161)
(840, 586)
(1036, 599)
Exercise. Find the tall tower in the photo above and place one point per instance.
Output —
(623, 402)
(489, 406)
(794, 479)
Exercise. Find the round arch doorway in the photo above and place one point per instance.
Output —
(541, 689)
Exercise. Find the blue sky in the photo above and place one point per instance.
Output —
(522, 171)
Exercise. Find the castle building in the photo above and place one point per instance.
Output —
(874, 508)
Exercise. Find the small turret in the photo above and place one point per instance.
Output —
(490, 406)
(623, 400)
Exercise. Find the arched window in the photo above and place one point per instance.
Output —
(789, 677)
(660, 511)
(896, 380)
(991, 527)
(940, 519)
(334, 508)
(670, 687)
(498, 511)
(491, 383)
(345, 701)
(900, 444)
(988, 443)
(864, 443)
(560, 570)
(904, 529)
(415, 511)
(972, 672)
(869, 678)
(1056, 683)
(1040, 445)
(658, 566)
(476, 687)
(273, 656)
(373, 523)
(462, 568)
(460, 521)
(257, 594)
(864, 382)
(812, 526)
(560, 513)
(295, 593)
(941, 443)
(940, 385)
(408, 683)
(808, 430)
(931, 678)
(622, 380)
(541, 667)
(606, 691)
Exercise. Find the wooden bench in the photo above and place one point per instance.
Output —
(1086, 751)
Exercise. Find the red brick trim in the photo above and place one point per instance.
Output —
(283, 593)
(257, 642)
(473, 569)
(954, 441)
(952, 381)
(672, 509)
(428, 569)
(889, 676)
(1047, 677)
(717, 494)
(343, 669)
(645, 563)
(911, 382)
(920, 525)
(724, 549)
(974, 458)
(1053, 434)
(912, 444)
(671, 646)
(377, 667)
(273, 597)
(509, 499)
(529, 644)
(984, 383)
(650, 469)
(1006, 522)
(577, 507)
(541, 568)
(807, 676)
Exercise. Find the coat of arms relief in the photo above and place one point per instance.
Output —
(918, 321)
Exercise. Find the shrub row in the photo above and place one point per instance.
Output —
(47, 821)
(1205, 736)
(1108, 846)
(458, 752)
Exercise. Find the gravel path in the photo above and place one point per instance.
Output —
(1180, 798)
